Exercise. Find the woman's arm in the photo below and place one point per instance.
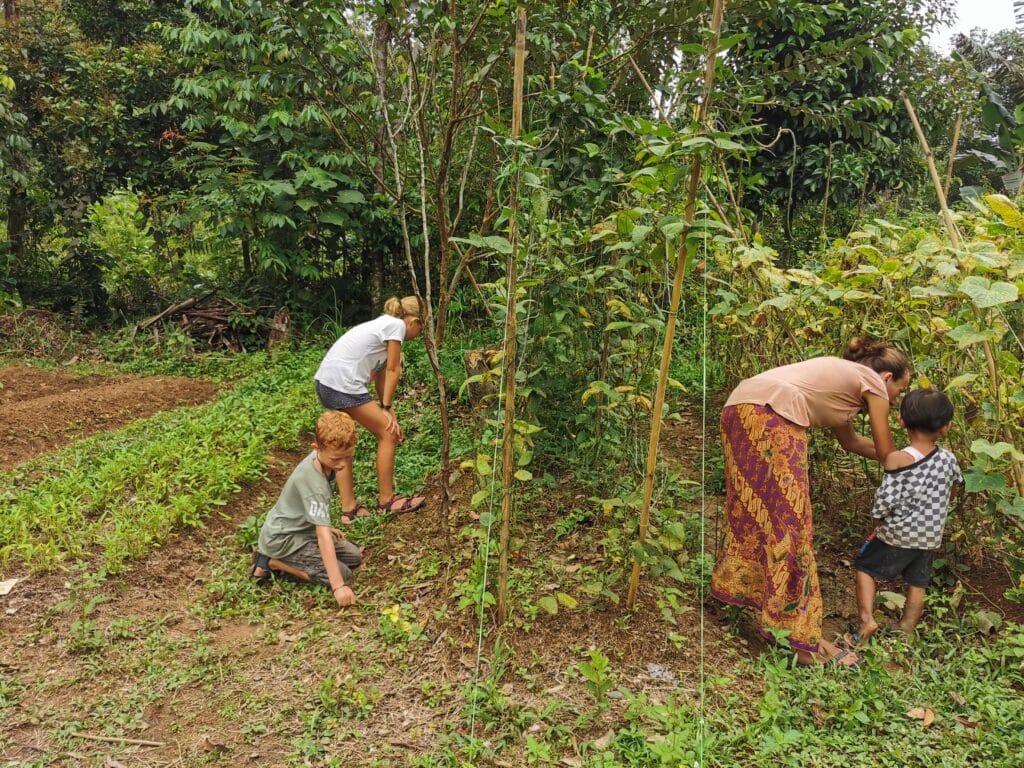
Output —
(880, 445)
(881, 435)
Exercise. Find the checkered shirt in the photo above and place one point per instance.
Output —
(912, 502)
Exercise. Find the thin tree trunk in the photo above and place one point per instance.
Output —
(828, 189)
(246, 256)
(381, 49)
(10, 11)
(510, 323)
(17, 215)
(677, 290)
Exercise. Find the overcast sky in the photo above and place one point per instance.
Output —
(992, 15)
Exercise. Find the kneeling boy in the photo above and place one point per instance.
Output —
(297, 537)
(910, 510)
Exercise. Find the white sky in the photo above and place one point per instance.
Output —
(992, 15)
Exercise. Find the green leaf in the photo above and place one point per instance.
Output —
(498, 244)
(1006, 210)
(549, 603)
(996, 450)
(483, 465)
(961, 381)
(986, 293)
(566, 600)
(337, 219)
(969, 333)
(977, 480)
(523, 475)
(479, 497)
(350, 197)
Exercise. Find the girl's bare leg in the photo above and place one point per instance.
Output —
(371, 417)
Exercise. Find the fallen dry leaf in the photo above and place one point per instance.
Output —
(819, 713)
(109, 762)
(603, 741)
(924, 714)
(209, 745)
(965, 722)
(958, 698)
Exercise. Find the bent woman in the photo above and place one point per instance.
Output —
(371, 351)
(767, 562)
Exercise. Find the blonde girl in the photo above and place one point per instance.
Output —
(372, 351)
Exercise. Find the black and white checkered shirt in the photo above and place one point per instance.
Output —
(912, 502)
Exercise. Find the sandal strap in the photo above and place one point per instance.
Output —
(399, 504)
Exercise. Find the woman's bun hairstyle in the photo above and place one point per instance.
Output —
(879, 356)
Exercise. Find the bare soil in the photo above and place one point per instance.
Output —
(42, 411)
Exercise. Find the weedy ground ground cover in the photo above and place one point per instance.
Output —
(178, 648)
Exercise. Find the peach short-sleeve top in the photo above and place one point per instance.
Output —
(820, 392)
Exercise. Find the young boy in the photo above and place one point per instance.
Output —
(910, 510)
(297, 537)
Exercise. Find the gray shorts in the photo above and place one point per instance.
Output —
(308, 560)
(333, 400)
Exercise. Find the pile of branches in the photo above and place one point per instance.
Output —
(219, 322)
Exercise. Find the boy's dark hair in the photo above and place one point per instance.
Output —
(926, 410)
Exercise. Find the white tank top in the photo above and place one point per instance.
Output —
(914, 452)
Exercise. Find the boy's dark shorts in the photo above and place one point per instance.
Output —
(885, 562)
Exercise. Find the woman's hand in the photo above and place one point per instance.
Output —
(880, 445)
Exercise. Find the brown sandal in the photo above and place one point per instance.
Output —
(359, 510)
(402, 504)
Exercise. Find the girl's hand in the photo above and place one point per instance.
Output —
(394, 428)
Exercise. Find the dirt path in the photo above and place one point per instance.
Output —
(41, 411)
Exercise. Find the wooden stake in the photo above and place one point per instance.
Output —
(510, 322)
(952, 153)
(677, 289)
(954, 234)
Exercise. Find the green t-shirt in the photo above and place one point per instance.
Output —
(305, 503)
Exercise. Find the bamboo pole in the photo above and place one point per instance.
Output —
(954, 234)
(703, 112)
(510, 322)
(952, 153)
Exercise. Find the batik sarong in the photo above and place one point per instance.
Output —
(767, 561)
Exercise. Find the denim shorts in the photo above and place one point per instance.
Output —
(885, 562)
(333, 400)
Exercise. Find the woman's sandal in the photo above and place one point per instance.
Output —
(840, 659)
(359, 510)
(402, 504)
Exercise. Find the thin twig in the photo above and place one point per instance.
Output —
(118, 739)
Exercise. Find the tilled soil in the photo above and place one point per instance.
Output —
(42, 411)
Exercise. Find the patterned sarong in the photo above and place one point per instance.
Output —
(767, 561)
